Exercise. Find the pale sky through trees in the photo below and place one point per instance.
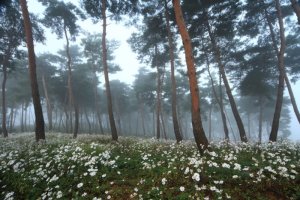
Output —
(124, 56)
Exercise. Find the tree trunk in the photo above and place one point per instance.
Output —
(209, 123)
(292, 97)
(296, 8)
(163, 126)
(235, 111)
(72, 102)
(219, 101)
(22, 117)
(142, 116)
(12, 117)
(4, 129)
(177, 132)
(280, 87)
(198, 130)
(76, 121)
(88, 121)
(260, 120)
(158, 97)
(113, 128)
(49, 107)
(39, 119)
(96, 101)
(287, 81)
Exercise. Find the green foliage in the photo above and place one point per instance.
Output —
(60, 15)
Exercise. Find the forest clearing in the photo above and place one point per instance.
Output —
(95, 167)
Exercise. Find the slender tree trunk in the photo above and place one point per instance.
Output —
(280, 87)
(88, 121)
(12, 116)
(177, 132)
(260, 120)
(113, 128)
(72, 102)
(209, 123)
(198, 130)
(235, 111)
(4, 129)
(219, 101)
(296, 8)
(39, 119)
(49, 107)
(22, 117)
(292, 97)
(163, 126)
(249, 125)
(142, 116)
(158, 96)
(96, 99)
(287, 81)
(75, 133)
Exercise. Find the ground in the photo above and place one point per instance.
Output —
(94, 167)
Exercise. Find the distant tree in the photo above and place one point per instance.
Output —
(12, 35)
(91, 52)
(39, 119)
(144, 89)
(198, 130)
(61, 18)
(151, 46)
(97, 10)
(47, 72)
(177, 132)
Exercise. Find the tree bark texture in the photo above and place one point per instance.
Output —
(105, 69)
(198, 130)
(39, 119)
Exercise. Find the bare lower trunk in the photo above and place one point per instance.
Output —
(198, 130)
(39, 119)
(113, 128)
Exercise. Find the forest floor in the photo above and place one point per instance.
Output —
(94, 167)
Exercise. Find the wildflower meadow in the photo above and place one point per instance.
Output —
(94, 167)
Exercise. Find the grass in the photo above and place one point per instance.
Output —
(93, 167)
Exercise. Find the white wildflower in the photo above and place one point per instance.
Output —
(181, 188)
(79, 185)
(196, 177)
(163, 181)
